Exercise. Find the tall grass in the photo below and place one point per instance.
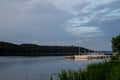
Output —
(72, 75)
(107, 70)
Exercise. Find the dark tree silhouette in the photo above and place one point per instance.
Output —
(10, 49)
(116, 44)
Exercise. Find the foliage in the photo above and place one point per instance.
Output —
(116, 44)
(10, 49)
(98, 71)
(115, 57)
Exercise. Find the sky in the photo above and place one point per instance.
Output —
(86, 23)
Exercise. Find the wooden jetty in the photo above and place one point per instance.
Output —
(86, 57)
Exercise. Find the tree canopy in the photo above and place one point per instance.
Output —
(10, 49)
(116, 44)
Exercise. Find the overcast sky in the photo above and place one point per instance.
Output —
(60, 22)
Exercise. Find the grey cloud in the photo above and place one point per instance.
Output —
(46, 21)
(42, 22)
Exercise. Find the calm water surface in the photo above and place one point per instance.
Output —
(37, 68)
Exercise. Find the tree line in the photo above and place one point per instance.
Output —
(11, 49)
(116, 44)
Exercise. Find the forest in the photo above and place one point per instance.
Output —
(11, 49)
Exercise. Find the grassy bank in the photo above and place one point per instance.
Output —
(97, 71)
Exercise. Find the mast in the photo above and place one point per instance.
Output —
(79, 47)
(84, 47)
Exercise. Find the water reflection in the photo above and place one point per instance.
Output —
(36, 68)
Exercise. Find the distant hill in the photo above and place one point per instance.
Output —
(11, 49)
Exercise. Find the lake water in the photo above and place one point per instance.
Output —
(37, 68)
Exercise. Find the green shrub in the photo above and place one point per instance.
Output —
(115, 58)
(98, 71)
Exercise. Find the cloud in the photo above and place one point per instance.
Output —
(84, 31)
(78, 21)
(26, 20)
(112, 15)
(48, 21)
(74, 27)
(91, 14)
(85, 6)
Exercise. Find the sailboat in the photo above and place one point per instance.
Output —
(79, 56)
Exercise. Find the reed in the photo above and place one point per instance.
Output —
(107, 70)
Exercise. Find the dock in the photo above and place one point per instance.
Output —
(87, 57)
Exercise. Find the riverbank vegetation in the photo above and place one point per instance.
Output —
(116, 44)
(107, 70)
